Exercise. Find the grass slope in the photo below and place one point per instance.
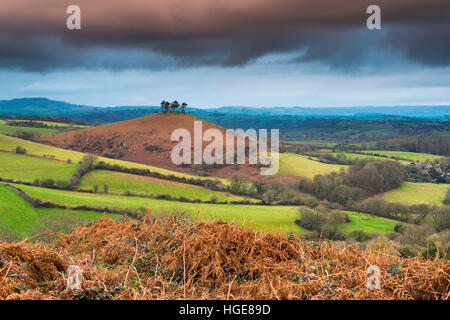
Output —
(406, 155)
(369, 223)
(120, 182)
(16, 215)
(263, 218)
(26, 168)
(12, 129)
(9, 143)
(55, 124)
(19, 219)
(350, 155)
(418, 193)
(297, 165)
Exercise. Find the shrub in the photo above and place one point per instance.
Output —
(48, 183)
(410, 251)
(359, 235)
(311, 202)
(413, 234)
(337, 217)
(309, 219)
(333, 232)
(20, 150)
(151, 148)
(213, 199)
(61, 184)
(439, 218)
(105, 188)
(398, 227)
(95, 188)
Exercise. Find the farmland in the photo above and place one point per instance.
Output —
(54, 124)
(26, 168)
(118, 183)
(19, 219)
(297, 165)
(263, 218)
(9, 143)
(311, 142)
(358, 156)
(417, 193)
(369, 223)
(11, 130)
(406, 155)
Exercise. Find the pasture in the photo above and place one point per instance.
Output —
(19, 219)
(9, 143)
(11, 130)
(369, 223)
(358, 156)
(311, 142)
(262, 218)
(418, 193)
(55, 124)
(298, 165)
(26, 168)
(118, 183)
(413, 156)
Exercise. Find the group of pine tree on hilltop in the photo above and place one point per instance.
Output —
(173, 106)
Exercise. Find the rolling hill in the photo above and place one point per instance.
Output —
(145, 140)
(44, 106)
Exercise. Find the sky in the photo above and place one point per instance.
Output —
(212, 53)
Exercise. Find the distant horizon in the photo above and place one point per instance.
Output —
(232, 106)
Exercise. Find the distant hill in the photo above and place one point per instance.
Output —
(366, 111)
(40, 106)
(47, 107)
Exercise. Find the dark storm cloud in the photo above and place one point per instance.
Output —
(127, 34)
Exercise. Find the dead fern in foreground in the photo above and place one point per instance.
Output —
(168, 258)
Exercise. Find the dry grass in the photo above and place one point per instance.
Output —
(172, 258)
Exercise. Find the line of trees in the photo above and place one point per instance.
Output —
(173, 106)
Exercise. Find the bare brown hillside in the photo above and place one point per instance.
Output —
(144, 140)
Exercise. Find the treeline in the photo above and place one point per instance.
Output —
(434, 144)
(34, 124)
(364, 178)
(428, 238)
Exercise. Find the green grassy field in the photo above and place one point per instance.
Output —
(418, 193)
(19, 219)
(12, 129)
(350, 155)
(297, 165)
(263, 218)
(9, 143)
(55, 124)
(406, 155)
(26, 168)
(309, 142)
(119, 182)
(369, 223)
